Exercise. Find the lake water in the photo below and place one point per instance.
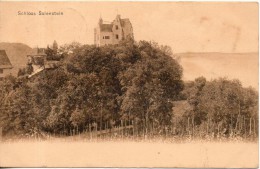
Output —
(213, 65)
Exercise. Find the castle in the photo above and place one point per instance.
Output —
(112, 33)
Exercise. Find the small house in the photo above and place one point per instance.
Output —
(5, 64)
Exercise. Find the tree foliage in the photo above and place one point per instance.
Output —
(132, 81)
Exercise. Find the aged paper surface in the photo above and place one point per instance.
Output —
(129, 84)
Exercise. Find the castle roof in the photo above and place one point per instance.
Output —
(4, 60)
(125, 22)
(106, 27)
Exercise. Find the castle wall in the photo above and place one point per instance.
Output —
(117, 30)
(128, 30)
(97, 36)
(106, 38)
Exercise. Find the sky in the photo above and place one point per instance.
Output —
(186, 27)
(227, 27)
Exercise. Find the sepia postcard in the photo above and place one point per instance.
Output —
(129, 84)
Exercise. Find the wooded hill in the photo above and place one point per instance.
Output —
(17, 53)
(133, 83)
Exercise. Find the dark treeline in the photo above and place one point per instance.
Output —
(218, 108)
(138, 84)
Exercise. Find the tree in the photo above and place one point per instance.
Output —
(18, 117)
(196, 116)
(149, 86)
(55, 47)
(115, 84)
(224, 103)
(69, 47)
(78, 118)
(52, 53)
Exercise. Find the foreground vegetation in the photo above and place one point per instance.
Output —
(130, 84)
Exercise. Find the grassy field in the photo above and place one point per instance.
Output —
(128, 154)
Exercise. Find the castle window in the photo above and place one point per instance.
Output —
(117, 37)
(116, 27)
(107, 37)
(1, 71)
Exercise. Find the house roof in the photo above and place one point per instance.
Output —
(106, 27)
(4, 60)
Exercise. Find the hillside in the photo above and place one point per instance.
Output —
(242, 66)
(17, 53)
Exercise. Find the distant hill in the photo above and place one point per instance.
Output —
(242, 66)
(17, 53)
